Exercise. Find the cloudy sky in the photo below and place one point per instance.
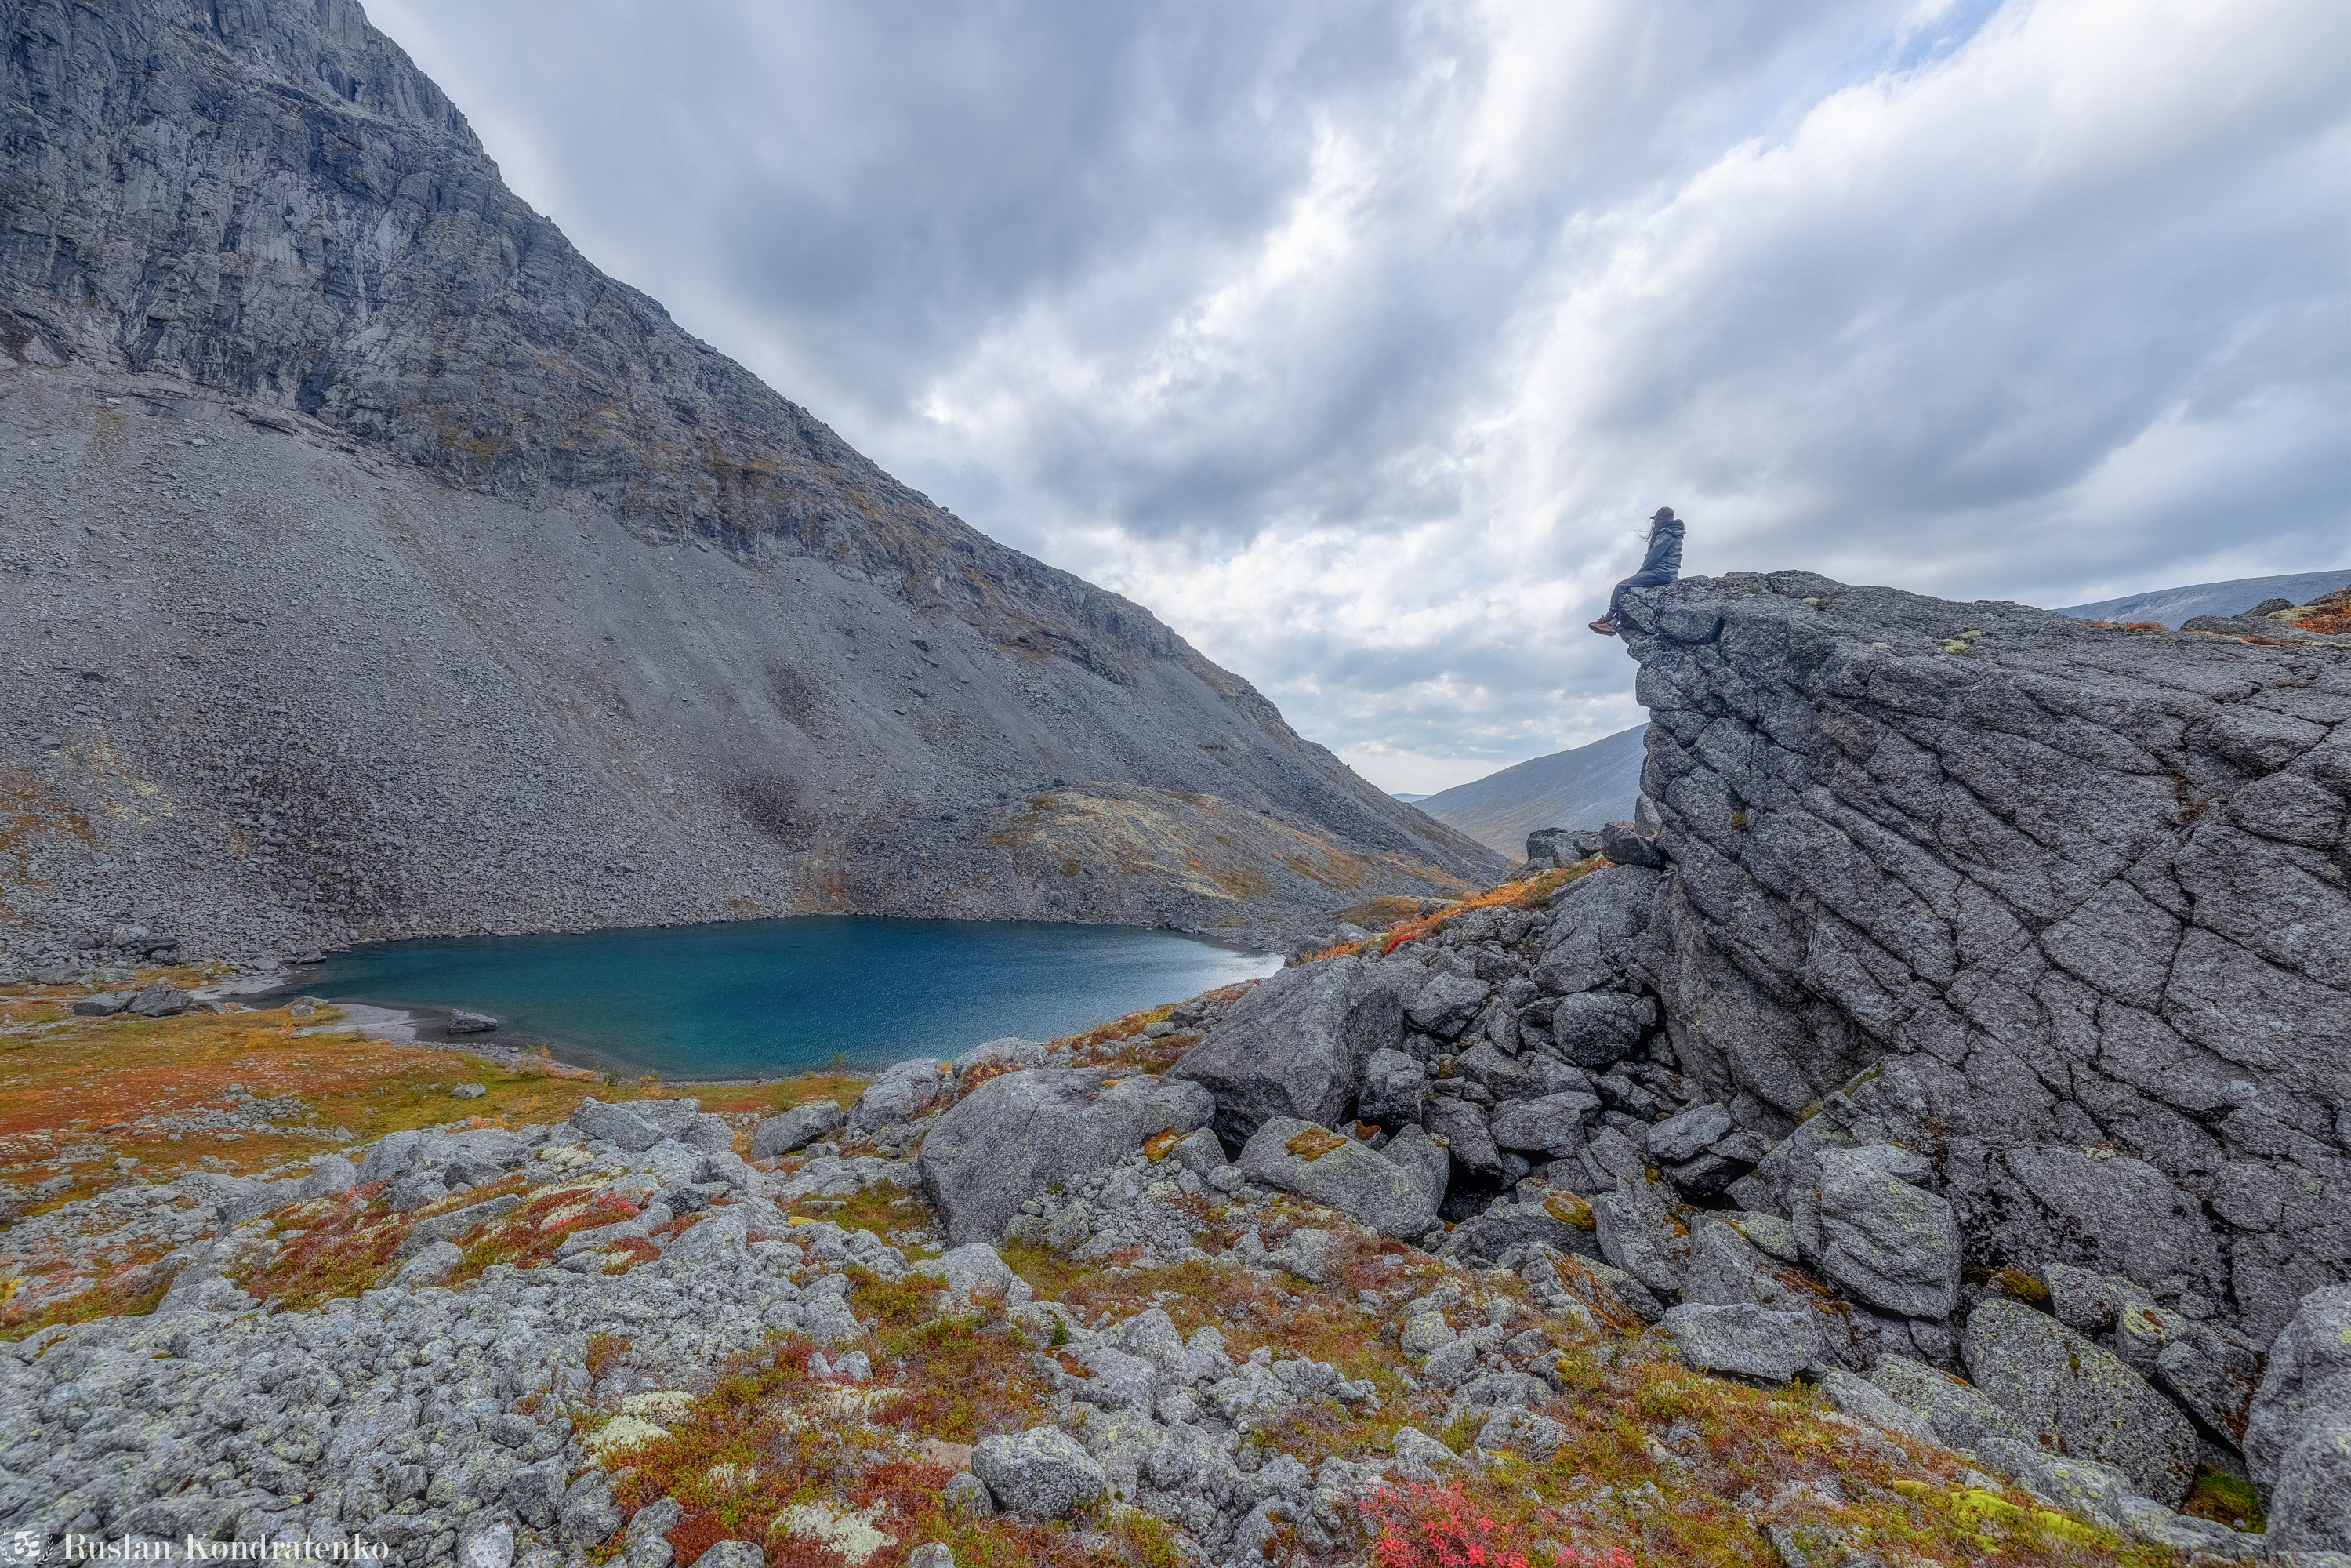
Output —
(1356, 338)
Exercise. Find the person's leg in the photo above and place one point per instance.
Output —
(1638, 580)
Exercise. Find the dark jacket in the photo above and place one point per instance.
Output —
(1663, 564)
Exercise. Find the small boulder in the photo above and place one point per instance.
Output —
(1484, 1237)
(1447, 1002)
(1423, 1160)
(1463, 1127)
(1548, 1122)
(1011, 1048)
(2081, 1399)
(1685, 1136)
(1753, 1342)
(905, 1090)
(1503, 1076)
(431, 1266)
(158, 1000)
(486, 1543)
(1039, 1474)
(1865, 1401)
(463, 1021)
(1394, 1084)
(1596, 1030)
(467, 1092)
(1560, 846)
(974, 1268)
(1421, 1457)
(105, 1004)
(1314, 1162)
(1197, 1151)
(796, 1128)
(619, 1126)
(1882, 1240)
(1515, 1427)
(739, 1554)
(1958, 1417)
(965, 1496)
(1018, 1135)
(1622, 845)
(1634, 1237)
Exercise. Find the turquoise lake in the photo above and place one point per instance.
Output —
(768, 997)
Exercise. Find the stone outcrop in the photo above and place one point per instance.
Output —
(2061, 907)
(449, 586)
(1981, 968)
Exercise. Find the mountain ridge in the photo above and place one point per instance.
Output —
(1582, 787)
(415, 554)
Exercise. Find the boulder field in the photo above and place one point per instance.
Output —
(1950, 1052)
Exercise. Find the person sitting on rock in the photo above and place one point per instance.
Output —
(1658, 567)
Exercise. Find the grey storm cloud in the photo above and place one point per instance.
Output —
(1356, 338)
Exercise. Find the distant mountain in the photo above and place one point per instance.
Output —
(1408, 798)
(2175, 606)
(1579, 788)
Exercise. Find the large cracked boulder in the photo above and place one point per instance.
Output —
(2065, 902)
(2298, 1437)
(1021, 1133)
(1353, 1177)
(2081, 1401)
(1295, 1046)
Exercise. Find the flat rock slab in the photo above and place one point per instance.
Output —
(1753, 1342)
(2079, 1398)
(796, 1128)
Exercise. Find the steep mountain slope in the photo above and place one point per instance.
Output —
(2175, 607)
(1582, 788)
(377, 565)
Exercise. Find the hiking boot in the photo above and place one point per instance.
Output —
(1605, 627)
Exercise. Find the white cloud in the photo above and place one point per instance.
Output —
(1355, 339)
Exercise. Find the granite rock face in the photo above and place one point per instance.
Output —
(2298, 1439)
(2062, 907)
(394, 487)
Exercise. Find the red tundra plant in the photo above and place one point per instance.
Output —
(1422, 1526)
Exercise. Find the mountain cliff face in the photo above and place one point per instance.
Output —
(2065, 906)
(376, 565)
